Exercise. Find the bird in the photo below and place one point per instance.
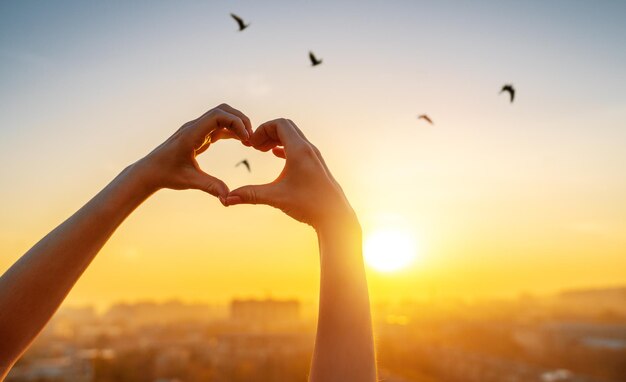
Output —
(425, 118)
(314, 60)
(508, 88)
(245, 163)
(240, 22)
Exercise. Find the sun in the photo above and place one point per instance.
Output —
(389, 250)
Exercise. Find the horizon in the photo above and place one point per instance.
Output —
(101, 308)
(500, 199)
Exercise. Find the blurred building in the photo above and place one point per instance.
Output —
(265, 311)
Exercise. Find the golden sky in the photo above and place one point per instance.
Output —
(500, 198)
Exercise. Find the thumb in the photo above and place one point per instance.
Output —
(258, 194)
(210, 184)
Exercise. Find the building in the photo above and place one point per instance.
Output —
(265, 311)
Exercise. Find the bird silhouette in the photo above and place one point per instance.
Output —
(508, 88)
(240, 22)
(314, 60)
(425, 118)
(245, 163)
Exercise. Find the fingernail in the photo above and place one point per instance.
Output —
(232, 200)
(222, 200)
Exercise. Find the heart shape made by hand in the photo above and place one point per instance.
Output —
(237, 164)
(304, 189)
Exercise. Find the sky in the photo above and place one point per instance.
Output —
(500, 198)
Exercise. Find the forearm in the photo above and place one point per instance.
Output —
(344, 347)
(34, 287)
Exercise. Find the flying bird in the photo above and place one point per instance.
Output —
(425, 118)
(508, 88)
(245, 163)
(314, 60)
(240, 22)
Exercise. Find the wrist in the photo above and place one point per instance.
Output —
(139, 179)
(340, 243)
(341, 221)
(123, 194)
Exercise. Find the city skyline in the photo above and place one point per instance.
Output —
(578, 336)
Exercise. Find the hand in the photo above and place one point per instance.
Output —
(173, 164)
(305, 189)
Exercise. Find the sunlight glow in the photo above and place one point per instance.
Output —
(389, 250)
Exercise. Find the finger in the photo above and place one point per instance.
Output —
(202, 148)
(223, 134)
(218, 118)
(276, 133)
(257, 194)
(297, 129)
(316, 150)
(232, 122)
(210, 184)
(244, 118)
(216, 135)
(267, 146)
(279, 152)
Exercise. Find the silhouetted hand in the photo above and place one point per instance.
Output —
(305, 189)
(173, 164)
